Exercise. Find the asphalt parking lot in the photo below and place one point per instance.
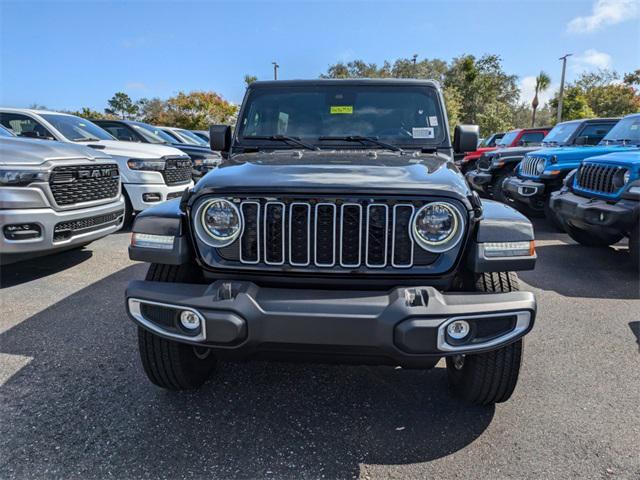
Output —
(74, 402)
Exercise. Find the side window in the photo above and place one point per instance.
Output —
(595, 132)
(531, 137)
(24, 126)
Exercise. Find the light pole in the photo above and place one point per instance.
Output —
(275, 70)
(564, 69)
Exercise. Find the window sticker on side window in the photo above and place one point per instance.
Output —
(422, 132)
(341, 110)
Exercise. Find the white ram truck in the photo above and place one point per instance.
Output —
(54, 196)
(150, 174)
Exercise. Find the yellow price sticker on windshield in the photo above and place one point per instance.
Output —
(341, 109)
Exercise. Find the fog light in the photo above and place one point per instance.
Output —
(189, 320)
(23, 231)
(151, 197)
(458, 329)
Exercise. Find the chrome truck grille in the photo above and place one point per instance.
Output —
(336, 234)
(530, 165)
(598, 178)
(84, 183)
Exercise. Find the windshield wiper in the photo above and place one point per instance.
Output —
(362, 139)
(626, 141)
(286, 139)
(86, 139)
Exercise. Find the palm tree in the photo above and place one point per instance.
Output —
(543, 81)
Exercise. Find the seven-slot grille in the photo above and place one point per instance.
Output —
(327, 234)
(598, 178)
(484, 162)
(84, 183)
(529, 166)
(177, 171)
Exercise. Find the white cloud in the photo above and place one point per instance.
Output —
(136, 86)
(591, 59)
(605, 13)
(528, 90)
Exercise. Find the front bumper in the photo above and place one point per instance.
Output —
(528, 192)
(479, 180)
(137, 191)
(60, 229)
(405, 326)
(591, 213)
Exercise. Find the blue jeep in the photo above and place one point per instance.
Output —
(600, 201)
(541, 172)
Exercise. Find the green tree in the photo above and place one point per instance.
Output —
(122, 105)
(574, 104)
(199, 109)
(249, 79)
(543, 81)
(89, 113)
(154, 111)
(632, 78)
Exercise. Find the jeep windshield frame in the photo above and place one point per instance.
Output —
(402, 114)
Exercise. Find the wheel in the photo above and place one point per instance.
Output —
(634, 247)
(591, 239)
(552, 216)
(496, 190)
(167, 363)
(487, 378)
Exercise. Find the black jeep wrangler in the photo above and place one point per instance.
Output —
(338, 230)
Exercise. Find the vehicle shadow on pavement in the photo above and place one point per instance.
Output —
(82, 408)
(635, 329)
(29, 270)
(574, 270)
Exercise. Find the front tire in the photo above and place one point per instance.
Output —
(496, 188)
(488, 378)
(167, 363)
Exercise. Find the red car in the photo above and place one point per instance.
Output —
(514, 138)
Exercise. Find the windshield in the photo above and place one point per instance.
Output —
(561, 133)
(403, 116)
(626, 130)
(196, 140)
(152, 134)
(508, 138)
(5, 133)
(76, 129)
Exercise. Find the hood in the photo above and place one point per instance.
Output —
(623, 159)
(351, 171)
(513, 151)
(196, 151)
(22, 151)
(568, 154)
(135, 149)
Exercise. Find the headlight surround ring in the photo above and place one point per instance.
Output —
(204, 232)
(450, 240)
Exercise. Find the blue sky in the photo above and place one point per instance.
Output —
(66, 55)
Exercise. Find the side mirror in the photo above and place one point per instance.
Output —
(581, 140)
(220, 138)
(465, 138)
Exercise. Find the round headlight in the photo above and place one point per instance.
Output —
(438, 227)
(218, 222)
(540, 167)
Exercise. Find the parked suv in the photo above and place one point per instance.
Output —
(54, 196)
(515, 138)
(150, 173)
(202, 158)
(338, 230)
(599, 203)
(541, 172)
(494, 167)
